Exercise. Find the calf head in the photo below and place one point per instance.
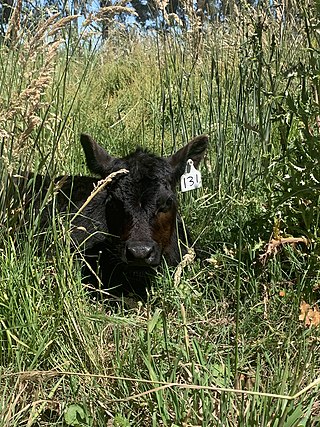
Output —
(141, 206)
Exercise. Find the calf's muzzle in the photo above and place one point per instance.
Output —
(142, 253)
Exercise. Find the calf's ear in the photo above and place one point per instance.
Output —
(96, 157)
(194, 150)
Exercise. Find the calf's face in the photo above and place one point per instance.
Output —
(141, 206)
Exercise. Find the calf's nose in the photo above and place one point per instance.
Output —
(141, 252)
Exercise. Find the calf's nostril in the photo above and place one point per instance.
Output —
(135, 252)
(140, 252)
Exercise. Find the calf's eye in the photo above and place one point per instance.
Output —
(166, 205)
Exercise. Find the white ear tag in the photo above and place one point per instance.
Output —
(191, 179)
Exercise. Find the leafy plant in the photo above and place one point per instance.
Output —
(77, 415)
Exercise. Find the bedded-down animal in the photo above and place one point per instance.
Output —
(131, 222)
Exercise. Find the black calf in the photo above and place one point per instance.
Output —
(128, 226)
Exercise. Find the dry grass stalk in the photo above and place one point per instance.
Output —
(194, 14)
(21, 114)
(100, 186)
(11, 36)
(61, 23)
(106, 13)
(188, 259)
(274, 245)
(111, 11)
(162, 5)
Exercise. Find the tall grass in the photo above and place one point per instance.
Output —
(223, 346)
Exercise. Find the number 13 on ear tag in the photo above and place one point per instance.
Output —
(191, 179)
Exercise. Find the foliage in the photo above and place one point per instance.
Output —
(77, 415)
